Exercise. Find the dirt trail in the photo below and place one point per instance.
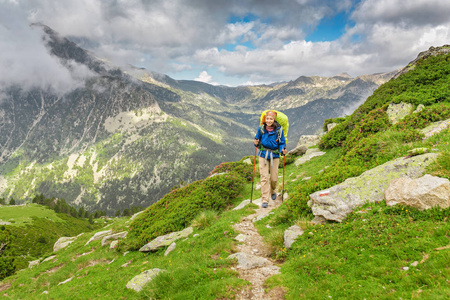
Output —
(252, 245)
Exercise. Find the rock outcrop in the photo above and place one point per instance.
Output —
(291, 234)
(114, 236)
(139, 281)
(396, 112)
(308, 155)
(337, 202)
(422, 193)
(166, 240)
(63, 242)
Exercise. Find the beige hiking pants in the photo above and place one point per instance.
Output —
(268, 181)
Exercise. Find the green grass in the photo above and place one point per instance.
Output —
(20, 215)
(196, 269)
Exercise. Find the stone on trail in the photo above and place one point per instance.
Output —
(247, 261)
(115, 236)
(170, 248)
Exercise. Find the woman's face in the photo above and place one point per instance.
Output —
(269, 120)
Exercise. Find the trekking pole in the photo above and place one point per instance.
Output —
(282, 195)
(253, 178)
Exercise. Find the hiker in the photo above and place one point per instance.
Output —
(271, 143)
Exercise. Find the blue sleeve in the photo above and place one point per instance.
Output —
(258, 134)
(282, 142)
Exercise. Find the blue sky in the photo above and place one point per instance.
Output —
(234, 42)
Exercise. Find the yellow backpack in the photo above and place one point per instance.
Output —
(282, 119)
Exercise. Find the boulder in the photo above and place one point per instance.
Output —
(396, 112)
(138, 282)
(291, 234)
(331, 126)
(166, 240)
(419, 108)
(298, 151)
(135, 215)
(63, 242)
(114, 236)
(435, 128)
(422, 193)
(248, 261)
(335, 203)
(308, 156)
(33, 263)
(308, 140)
(99, 235)
(248, 161)
(170, 248)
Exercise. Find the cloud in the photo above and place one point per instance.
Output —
(25, 61)
(246, 41)
(205, 77)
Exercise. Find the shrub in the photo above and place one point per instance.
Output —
(205, 219)
(177, 209)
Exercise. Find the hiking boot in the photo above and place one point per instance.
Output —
(274, 196)
(264, 205)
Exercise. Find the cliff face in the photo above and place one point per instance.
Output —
(125, 137)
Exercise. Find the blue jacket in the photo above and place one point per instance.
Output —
(269, 140)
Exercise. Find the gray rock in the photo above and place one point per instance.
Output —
(311, 153)
(242, 204)
(396, 112)
(435, 128)
(166, 240)
(298, 151)
(66, 281)
(170, 248)
(417, 151)
(113, 244)
(63, 242)
(419, 108)
(114, 236)
(49, 258)
(247, 261)
(331, 126)
(241, 237)
(308, 140)
(135, 215)
(291, 234)
(338, 201)
(98, 236)
(139, 281)
(422, 193)
(248, 161)
(33, 263)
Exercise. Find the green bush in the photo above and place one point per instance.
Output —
(178, 208)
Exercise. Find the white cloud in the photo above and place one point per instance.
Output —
(205, 77)
(171, 37)
(25, 60)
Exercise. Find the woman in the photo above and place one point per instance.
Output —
(270, 140)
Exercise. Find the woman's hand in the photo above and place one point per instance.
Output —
(256, 142)
(284, 151)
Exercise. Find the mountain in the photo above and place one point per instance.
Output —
(127, 136)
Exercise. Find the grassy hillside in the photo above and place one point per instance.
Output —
(30, 231)
(376, 252)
